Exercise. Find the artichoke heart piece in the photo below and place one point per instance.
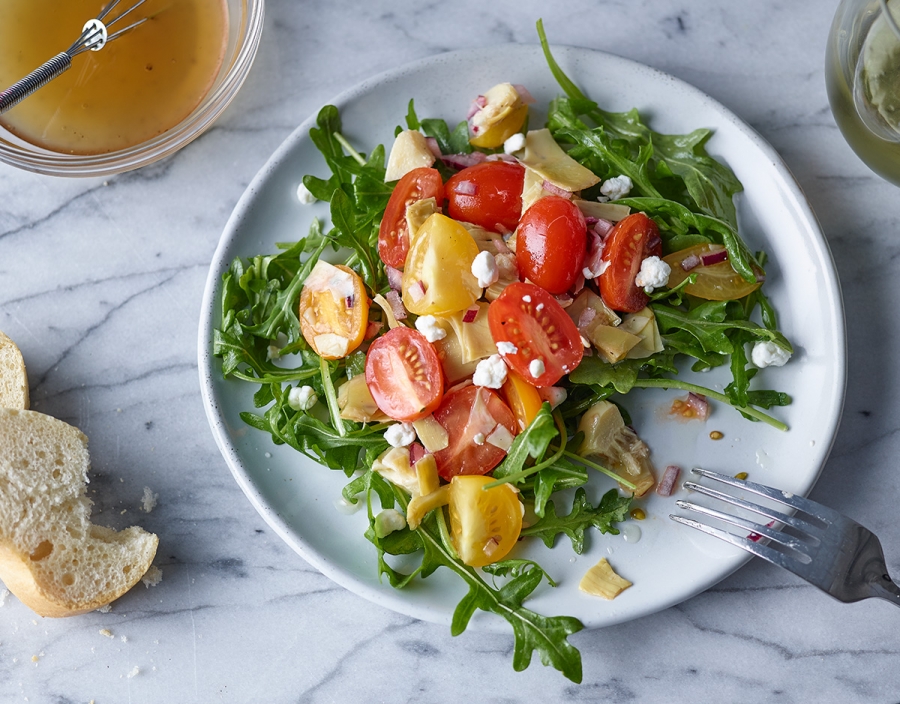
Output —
(417, 213)
(410, 151)
(643, 325)
(532, 188)
(475, 339)
(356, 403)
(603, 211)
(547, 158)
(394, 466)
(618, 446)
(501, 116)
(601, 580)
(601, 326)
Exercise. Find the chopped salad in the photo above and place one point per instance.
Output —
(497, 289)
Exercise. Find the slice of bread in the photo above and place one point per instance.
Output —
(51, 556)
(13, 379)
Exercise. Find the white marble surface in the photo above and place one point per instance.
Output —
(100, 284)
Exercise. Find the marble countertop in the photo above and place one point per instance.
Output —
(100, 285)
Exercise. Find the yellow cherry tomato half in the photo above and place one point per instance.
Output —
(484, 524)
(715, 282)
(437, 279)
(522, 398)
(333, 310)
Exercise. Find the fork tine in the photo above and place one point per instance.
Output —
(763, 551)
(823, 513)
(797, 523)
(778, 536)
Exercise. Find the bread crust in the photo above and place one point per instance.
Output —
(13, 377)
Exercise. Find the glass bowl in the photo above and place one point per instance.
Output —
(245, 24)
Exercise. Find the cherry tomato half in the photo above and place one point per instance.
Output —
(403, 374)
(394, 234)
(631, 241)
(333, 310)
(488, 194)
(484, 523)
(715, 282)
(470, 415)
(547, 342)
(550, 243)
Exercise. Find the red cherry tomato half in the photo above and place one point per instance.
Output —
(394, 234)
(547, 342)
(550, 243)
(488, 194)
(404, 375)
(631, 241)
(471, 416)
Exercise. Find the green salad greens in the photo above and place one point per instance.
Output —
(687, 193)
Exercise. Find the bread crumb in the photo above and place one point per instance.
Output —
(34, 658)
(134, 672)
(152, 577)
(3, 594)
(124, 639)
(105, 609)
(148, 502)
(106, 632)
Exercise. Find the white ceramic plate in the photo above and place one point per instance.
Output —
(669, 563)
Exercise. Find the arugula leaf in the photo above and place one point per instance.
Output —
(531, 443)
(708, 323)
(612, 508)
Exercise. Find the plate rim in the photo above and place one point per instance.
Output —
(206, 360)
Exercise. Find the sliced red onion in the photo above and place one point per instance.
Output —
(501, 156)
(394, 277)
(691, 262)
(699, 405)
(349, 301)
(667, 484)
(602, 227)
(416, 291)
(714, 257)
(416, 452)
(556, 190)
(461, 385)
(476, 105)
(590, 220)
(500, 244)
(470, 315)
(433, 146)
(586, 318)
(760, 277)
(372, 329)
(756, 537)
(393, 297)
(564, 300)
(594, 260)
(524, 94)
(463, 161)
(466, 188)
(579, 283)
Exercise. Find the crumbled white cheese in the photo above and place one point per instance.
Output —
(515, 143)
(429, 327)
(616, 187)
(490, 372)
(478, 438)
(587, 273)
(504, 347)
(304, 195)
(400, 435)
(536, 367)
(484, 268)
(768, 354)
(654, 273)
(302, 398)
(526, 298)
(389, 520)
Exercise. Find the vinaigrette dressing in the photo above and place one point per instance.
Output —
(133, 89)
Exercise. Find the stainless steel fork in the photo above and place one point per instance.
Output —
(820, 545)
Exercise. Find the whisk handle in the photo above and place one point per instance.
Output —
(41, 76)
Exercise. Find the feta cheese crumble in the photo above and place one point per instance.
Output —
(484, 268)
(478, 438)
(515, 143)
(304, 195)
(400, 435)
(302, 398)
(536, 368)
(504, 347)
(428, 325)
(654, 273)
(616, 187)
(490, 372)
(768, 354)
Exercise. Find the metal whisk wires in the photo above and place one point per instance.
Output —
(94, 36)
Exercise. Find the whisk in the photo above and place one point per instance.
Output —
(94, 36)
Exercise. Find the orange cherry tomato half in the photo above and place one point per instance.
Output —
(470, 416)
(394, 234)
(488, 194)
(715, 282)
(550, 243)
(631, 241)
(404, 375)
(548, 345)
(333, 323)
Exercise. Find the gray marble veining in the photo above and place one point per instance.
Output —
(100, 284)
